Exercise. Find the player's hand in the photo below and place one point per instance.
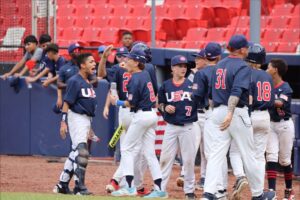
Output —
(170, 109)
(63, 130)
(29, 79)
(5, 76)
(17, 75)
(113, 99)
(45, 84)
(59, 102)
(226, 123)
(107, 51)
(106, 112)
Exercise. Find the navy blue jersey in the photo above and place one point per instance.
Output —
(262, 90)
(179, 96)
(80, 96)
(140, 92)
(201, 85)
(54, 66)
(231, 77)
(122, 77)
(67, 71)
(283, 92)
(43, 63)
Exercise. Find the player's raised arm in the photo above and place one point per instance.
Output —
(102, 64)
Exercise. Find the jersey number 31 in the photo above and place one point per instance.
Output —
(221, 77)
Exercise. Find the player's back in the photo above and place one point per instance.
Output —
(261, 90)
(231, 76)
(140, 92)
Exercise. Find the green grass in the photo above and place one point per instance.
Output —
(39, 196)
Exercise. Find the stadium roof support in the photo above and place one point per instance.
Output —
(153, 13)
(255, 13)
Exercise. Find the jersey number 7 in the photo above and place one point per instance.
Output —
(221, 76)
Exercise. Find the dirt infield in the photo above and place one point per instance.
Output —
(36, 174)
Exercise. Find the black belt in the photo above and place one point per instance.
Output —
(143, 109)
(264, 109)
(201, 111)
(177, 124)
(276, 120)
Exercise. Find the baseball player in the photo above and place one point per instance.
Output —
(179, 111)
(230, 119)
(280, 141)
(200, 64)
(140, 136)
(261, 100)
(53, 63)
(30, 60)
(78, 109)
(122, 77)
(212, 53)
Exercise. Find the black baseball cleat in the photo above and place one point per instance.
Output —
(62, 189)
(78, 191)
(190, 196)
(208, 196)
(268, 195)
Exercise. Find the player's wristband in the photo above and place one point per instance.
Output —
(120, 103)
(64, 117)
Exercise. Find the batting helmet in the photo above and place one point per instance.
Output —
(140, 46)
(256, 54)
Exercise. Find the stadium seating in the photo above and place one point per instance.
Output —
(287, 47)
(279, 22)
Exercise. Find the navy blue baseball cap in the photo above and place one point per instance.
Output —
(212, 50)
(179, 59)
(200, 54)
(101, 48)
(137, 55)
(238, 42)
(122, 51)
(74, 46)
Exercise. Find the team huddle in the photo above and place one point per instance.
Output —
(223, 106)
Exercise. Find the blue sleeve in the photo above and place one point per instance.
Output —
(61, 75)
(71, 92)
(199, 84)
(161, 95)
(133, 92)
(61, 62)
(49, 64)
(286, 96)
(152, 72)
(241, 81)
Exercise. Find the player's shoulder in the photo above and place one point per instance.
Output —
(286, 86)
(39, 50)
(75, 78)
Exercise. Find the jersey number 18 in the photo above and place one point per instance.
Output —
(263, 91)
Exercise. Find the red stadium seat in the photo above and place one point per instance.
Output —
(194, 45)
(117, 2)
(118, 22)
(123, 10)
(176, 11)
(272, 35)
(85, 10)
(158, 44)
(279, 22)
(240, 22)
(196, 34)
(101, 22)
(282, 10)
(174, 44)
(65, 10)
(287, 47)
(141, 11)
(216, 34)
(162, 11)
(108, 35)
(137, 2)
(295, 22)
(135, 22)
(296, 12)
(90, 34)
(84, 21)
(270, 46)
(264, 22)
(291, 35)
(222, 16)
(64, 22)
(72, 33)
(103, 10)
(64, 2)
(142, 35)
(233, 31)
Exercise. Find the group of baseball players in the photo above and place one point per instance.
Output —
(223, 106)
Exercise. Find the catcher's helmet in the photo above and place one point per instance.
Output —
(140, 46)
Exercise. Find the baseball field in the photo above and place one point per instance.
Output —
(33, 178)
